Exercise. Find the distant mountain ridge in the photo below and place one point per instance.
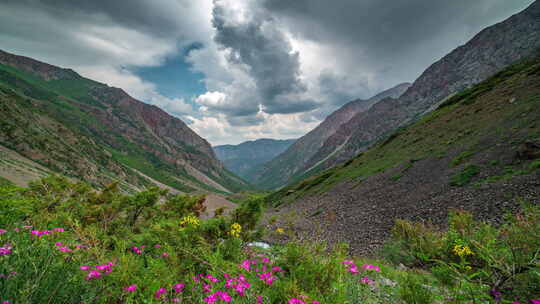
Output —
(243, 159)
(138, 140)
(293, 162)
(490, 51)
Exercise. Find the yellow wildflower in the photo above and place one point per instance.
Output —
(280, 231)
(462, 251)
(189, 220)
(236, 229)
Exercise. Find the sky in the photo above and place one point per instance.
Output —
(237, 70)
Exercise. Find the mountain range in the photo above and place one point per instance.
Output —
(464, 136)
(245, 159)
(59, 121)
(294, 161)
(332, 143)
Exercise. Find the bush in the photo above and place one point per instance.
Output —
(505, 258)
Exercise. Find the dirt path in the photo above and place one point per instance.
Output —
(214, 202)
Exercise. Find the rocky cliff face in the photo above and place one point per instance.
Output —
(136, 135)
(295, 161)
(487, 53)
(245, 158)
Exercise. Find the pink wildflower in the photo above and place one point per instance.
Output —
(165, 255)
(105, 267)
(93, 274)
(207, 288)
(353, 269)
(58, 244)
(65, 249)
(296, 301)
(267, 278)
(178, 288)
(85, 268)
(40, 233)
(246, 264)
(371, 267)
(137, 250)
(157, 246)
(535, 301)
(131, 288)
(2, 231)
(4, 251)
(366, 280)
(212, 278)
(59, 229)
(277, 269)
(315, 302)
(218, 295)
(347, 262)
(160, 292)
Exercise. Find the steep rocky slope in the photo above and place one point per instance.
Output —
(292, 163)
(479, 151)
(245, 158)
(89, 130)
(488, 52)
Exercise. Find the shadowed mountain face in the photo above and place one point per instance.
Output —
(245, 158)
(295, 161)
(487, 53)
(89, 130)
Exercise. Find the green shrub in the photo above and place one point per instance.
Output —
(504, 258)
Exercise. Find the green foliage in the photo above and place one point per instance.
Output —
(505, 258)
(249, 211)
(415, 291)
(463, 177)
(103, 228)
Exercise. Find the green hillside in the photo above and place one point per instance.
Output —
(502, 109)
(59, 123)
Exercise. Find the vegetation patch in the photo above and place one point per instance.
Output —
(63, 242)
(465, 176)
(502, 261)
(461, 158)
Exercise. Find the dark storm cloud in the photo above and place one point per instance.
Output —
(263, 48)
(159, 18)
(395, 39)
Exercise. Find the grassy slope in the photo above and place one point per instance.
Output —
(64, 101)
(463, 121)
